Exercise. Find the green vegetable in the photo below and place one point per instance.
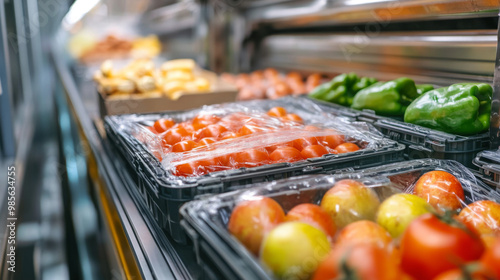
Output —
(421, 89)
(387, 98)
(462, 109)
(341, 89)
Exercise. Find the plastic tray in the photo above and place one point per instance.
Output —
(164, 196)
(223, 257)
(488, 163)
(421, 142)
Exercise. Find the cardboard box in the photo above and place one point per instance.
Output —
(156, 102)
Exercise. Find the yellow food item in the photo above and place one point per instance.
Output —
(179, 64)
(179, 75)
(140, 76)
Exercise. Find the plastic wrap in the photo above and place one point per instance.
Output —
(488, 163)
(235, 135)
(209, 217)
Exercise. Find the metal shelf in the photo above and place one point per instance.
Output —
(140, 248)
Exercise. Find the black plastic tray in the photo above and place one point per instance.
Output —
(223, 257)
(488, 163)
(165, 196)
(421, 142)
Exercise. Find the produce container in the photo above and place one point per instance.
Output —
(224, 257)
(118, 104)
(421, 142)
(165, 192)
(488, 163)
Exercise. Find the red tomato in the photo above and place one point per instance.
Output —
(201, 121)
(163, 125)
(491, 259)
(440, 189)
(293, 118)
(483, 216)
(301, 143)
(313, 151)
(251, 158)
(364, 231)
(430, 246)
(368, 261)
(183, 146)
(346, 148)
(174, 135)
(331, 141)
(212, 130)
(251, 220)
(286, 154)
(314, 215)
(469, 272)
(277, 112)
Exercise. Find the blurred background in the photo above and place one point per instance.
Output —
(77, 215)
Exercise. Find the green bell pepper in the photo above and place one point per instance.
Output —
(421, 89)
(387, 98)
(341, 89)
(462, 109)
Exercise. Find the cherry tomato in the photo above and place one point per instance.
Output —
(346, 148)
(301, 143)
(277, 112)
(251, 158)
(249, 129)
(230, 135)
(368, 261)
(208, 165)
(293, 118)
(174, 135)
(183, 146)
(201, 121)
(491, 258)
(212, 130)
(286, 154)
(163, 125)
(152, 129)
(430, 246)
(271, 149)
(188, 126)
(313, 151)
(331, 141)
(205, 142)
(187, 169)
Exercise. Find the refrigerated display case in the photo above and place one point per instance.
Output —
(431, 42)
